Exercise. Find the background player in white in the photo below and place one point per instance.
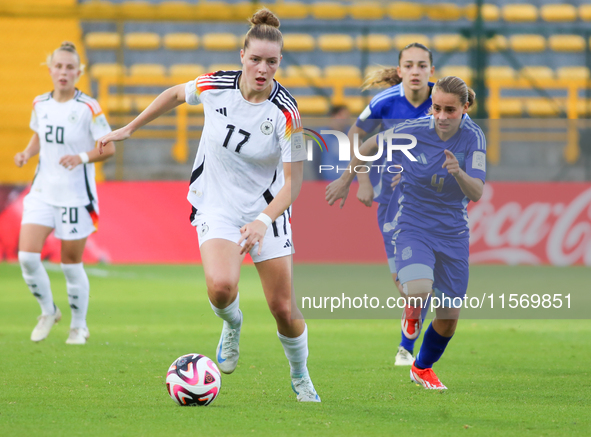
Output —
(63, 197)
(248, 171)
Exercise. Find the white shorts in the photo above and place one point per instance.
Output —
(277, 241)
(69, 222)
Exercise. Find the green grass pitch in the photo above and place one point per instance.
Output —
(505, 377)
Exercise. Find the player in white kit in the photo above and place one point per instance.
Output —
(63, 196)
(247, 173)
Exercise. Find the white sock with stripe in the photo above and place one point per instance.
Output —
(296, 351)
(37, 280)
(78, 293)
(230, 314)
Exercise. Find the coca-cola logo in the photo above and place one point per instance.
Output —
(531, 228)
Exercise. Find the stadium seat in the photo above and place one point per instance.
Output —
(219, 41)
(214, 11)
(566, 43)
(119, 104)
(313, 105)
(298, 42)
(490, 12)
(572, 73)
(103, 9)
(142, 40)
(147, 70)
(497, 43)
(356, 104)
(181, 41)
(374, 43)
(585, 12)
(462, 71)
(520, 13)
(342, 72)
(450, 43)
(172, 10)
(142, 102)
(527, 43)
(370, 10)
(98, 71)
(499, 72)
(335, 43)
(328, 10)
(558, 12)
(138, 10)
(306, 71)
(539, 107)
(510, 107)
(407, 11)
(102, 40)
(290, 10)
(444, 12)
(401, 41)
(224, 67)
(243, 10)
(186, 70)
(536, 72)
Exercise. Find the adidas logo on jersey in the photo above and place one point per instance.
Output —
(287, 244)
(73, 231)
(222, 111)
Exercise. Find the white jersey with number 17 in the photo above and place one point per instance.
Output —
(239, 165)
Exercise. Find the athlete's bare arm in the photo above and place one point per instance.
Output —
(365, 190)
(21, 158)
(166, 101)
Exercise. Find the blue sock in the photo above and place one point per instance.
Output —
(431, 349)
(407, 344)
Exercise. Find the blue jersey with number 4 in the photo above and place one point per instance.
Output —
(384, 111)
(430, 198)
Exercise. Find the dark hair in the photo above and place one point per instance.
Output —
(455, 85)
(334, 110)
(389, 76)
(264, 25)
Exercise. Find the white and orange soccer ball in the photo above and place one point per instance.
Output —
(193, 379)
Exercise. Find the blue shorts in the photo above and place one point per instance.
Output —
(442, 260)
(386, 236)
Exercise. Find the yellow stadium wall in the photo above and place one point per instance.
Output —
(25, 45)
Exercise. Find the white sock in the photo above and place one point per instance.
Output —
(37, 279)
(230, 314)
(78, 293)
(296, 351)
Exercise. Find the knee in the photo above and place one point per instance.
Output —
(446, 327)
(417, 287)
(221, 289)
(281, 311)
(29, 261)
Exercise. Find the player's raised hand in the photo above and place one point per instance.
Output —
(396, 180)
(20, 159)
(336, 190)
(364, 193)
(252, 233)
(117, 135)
(451, 163)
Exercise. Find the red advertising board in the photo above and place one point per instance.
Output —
(148, 222)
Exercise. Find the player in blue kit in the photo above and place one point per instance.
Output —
(431, 234)
(408, 97)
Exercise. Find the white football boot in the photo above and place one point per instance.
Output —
(304, 389)
(45, 324)
(403, 357)
(228, 350)
(78, 336)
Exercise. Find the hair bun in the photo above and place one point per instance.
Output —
(265, 17)
(67, 45)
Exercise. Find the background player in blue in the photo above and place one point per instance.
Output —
(409, 97)
(431, 233)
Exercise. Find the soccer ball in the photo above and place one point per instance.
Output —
(193, 379)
